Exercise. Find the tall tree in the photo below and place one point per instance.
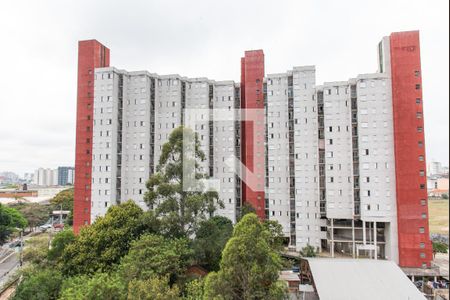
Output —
(35, 214)
(180, 209)
(100, 247)
(249, 268)
(42, 284)
(276, 236)
(64, 200)
(61, 240)
(153, 289)
(10, 219)
(105, 286)
(210, 240)
(155, 256)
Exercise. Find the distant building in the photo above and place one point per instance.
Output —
(436, 168)
(66, 175)
(438, 183)
(437, 186)
(28, 177)
(46, 177)
(8, 178)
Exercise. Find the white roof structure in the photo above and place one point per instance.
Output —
(355, 279)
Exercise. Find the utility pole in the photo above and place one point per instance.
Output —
(60, 214)
(21, 249)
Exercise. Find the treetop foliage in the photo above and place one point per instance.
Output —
(180, 209)
(100, 247)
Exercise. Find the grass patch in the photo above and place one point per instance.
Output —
(439, 216)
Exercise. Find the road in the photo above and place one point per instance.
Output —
(7, 267)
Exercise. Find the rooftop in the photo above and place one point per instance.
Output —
(354, 279)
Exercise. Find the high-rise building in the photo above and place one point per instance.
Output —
(66, 175)
(341, 166)
(91, 55)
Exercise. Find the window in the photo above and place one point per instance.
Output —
(423, 202)
(422, 255)
(420, 144)
(366, 152)
(419, 115)
(418, 101)
(422, 186)
(421, 158)
(421, 230)
(419, 129)
(418, 86)
(424, 215)
(422, 173)
(417, 73)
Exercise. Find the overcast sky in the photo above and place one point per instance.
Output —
(38, 55)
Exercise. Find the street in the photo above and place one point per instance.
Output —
(8, 265)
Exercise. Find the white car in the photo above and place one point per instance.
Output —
(45, 227)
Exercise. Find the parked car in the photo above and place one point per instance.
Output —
(58, 226)
(45, 227)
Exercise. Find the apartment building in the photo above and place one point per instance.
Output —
(341, 166)
(66, 176)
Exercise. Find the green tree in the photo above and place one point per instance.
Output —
(180, 209)
(155, 256)
(210, 240)
(276, 236)
(64, 200)
(35, 214)
(308, 251)
(43, 284)
(105, 286)
(249, 268)
(10, 219)
(195, 290)
(36, 250)
(152, 289)
(61, 240)
(439, 247)
(246, 209)
(100, 247)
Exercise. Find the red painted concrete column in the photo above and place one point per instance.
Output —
(414, 244)
(91, 55)
(252, 97)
